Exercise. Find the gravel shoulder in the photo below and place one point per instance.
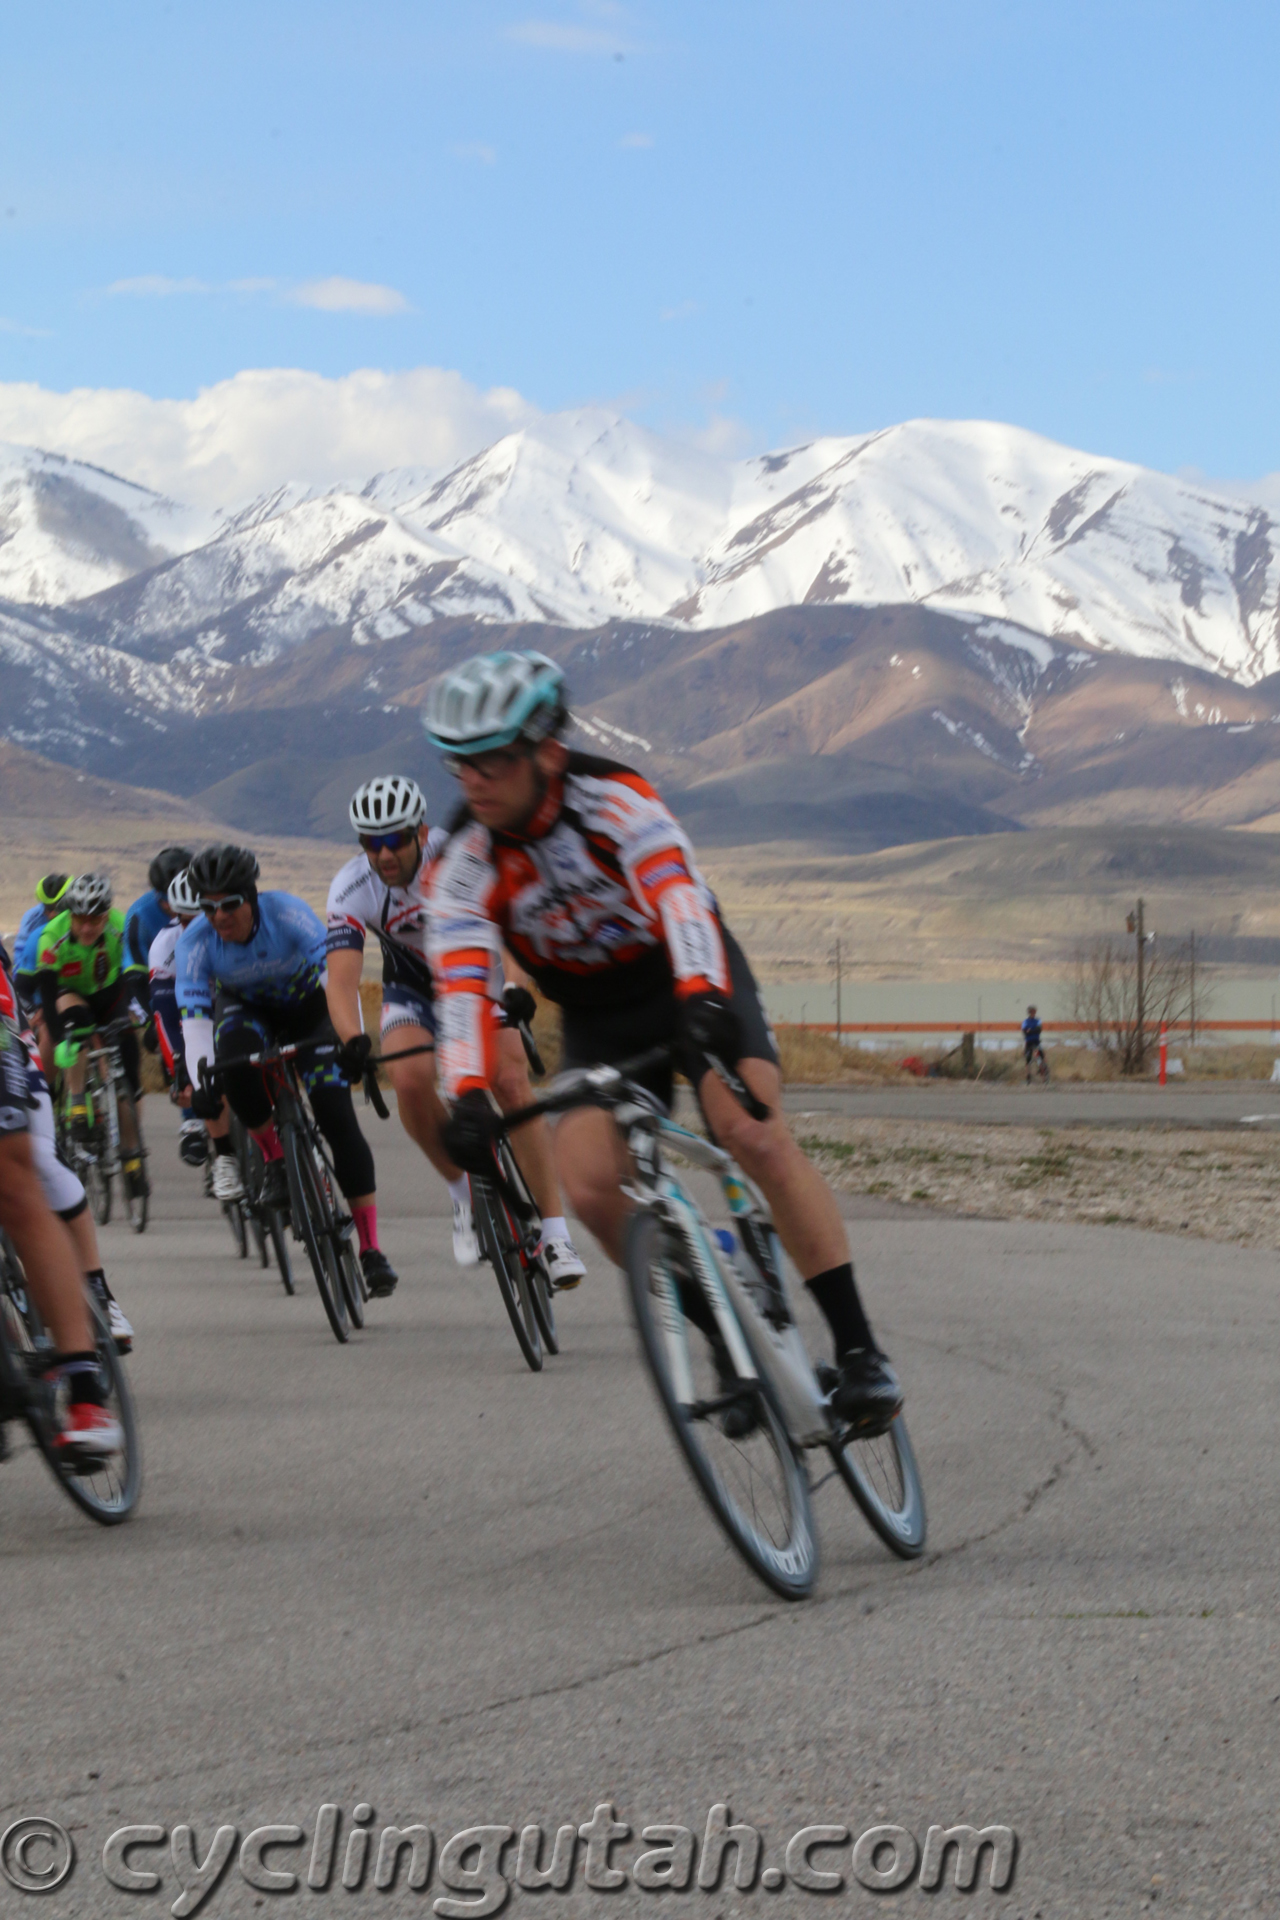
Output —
(1219, 1185)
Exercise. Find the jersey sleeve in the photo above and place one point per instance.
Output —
(465, 950)
(347, 908)
(657, 860)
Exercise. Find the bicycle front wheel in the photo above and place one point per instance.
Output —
(275, 1235)
(499, 1247)
(312, 1224)
(750, 1476)
(884, 1479)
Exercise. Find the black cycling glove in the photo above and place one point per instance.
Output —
(470, 1131)
(205, 1103)
(353, 1057)
(519, 1005)
(708, 1024)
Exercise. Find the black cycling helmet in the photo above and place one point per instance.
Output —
(223, 870)
(168, 861)
(51, 889)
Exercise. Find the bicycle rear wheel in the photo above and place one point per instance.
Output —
(498, 1246)
(540, 1290)
(754, 1483)
(250, 1231)
(884, 1479)
(312, 1224)
(137, 1205)
(106, 1489)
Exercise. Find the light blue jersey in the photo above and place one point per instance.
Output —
(279, 965)
(143, 921)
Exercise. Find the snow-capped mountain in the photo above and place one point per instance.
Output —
(68, 529)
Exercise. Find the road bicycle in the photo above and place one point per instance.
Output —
(318, 1214)
(30, 1391)
(748, 1407)
(98, 1158)
(253, 1224)
(508, 1228)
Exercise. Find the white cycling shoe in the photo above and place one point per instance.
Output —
(121, 1331)
(227, 1184)
(466, 1248)
(564, 1267)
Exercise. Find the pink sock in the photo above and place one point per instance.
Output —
(366, 1219)
(269, 1141)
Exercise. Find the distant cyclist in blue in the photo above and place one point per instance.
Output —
(49, 892)
(151, 911)
(1032, 1048)
(251, 970)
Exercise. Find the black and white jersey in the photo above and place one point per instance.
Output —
(361, 904)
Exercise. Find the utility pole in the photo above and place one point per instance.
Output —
(837, 991)
(1135, 922)
(1193, 986)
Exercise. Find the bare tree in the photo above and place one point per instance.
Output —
(1105, 995)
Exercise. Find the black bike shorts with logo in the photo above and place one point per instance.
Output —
(606, 1037)
(14, 1082)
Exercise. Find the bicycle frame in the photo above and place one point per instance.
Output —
(777, 1349)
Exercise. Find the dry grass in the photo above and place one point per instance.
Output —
(1218, 1185)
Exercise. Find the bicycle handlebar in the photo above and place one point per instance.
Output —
(587, 1082)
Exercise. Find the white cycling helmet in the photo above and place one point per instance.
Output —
(182, 896)
(89, 894)
(494, 699)
(390, 801)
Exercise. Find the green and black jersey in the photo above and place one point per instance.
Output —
(102, 974)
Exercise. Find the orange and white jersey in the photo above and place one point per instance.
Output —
(599, 900)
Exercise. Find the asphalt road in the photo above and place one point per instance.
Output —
(1198, 1103)
(410, 1573)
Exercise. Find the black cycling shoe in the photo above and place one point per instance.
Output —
(865, 1391)
(380, 1276)
(743, 1417)
(193, 1147)
(274, 1191)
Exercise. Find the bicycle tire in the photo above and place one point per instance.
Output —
(498, 1247)
(780, 1546)
(233, 1213)
(346, 1254)
(540, 1289)
(884, 1479)
(108, 1490)
(137, 1205)
(279, 1246)
(311, 1225)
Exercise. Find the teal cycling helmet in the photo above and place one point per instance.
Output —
(494, 700)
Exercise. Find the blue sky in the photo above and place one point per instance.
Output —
(746, 221)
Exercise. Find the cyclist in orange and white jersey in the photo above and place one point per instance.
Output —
(575, 864)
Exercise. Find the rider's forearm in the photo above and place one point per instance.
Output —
(342, 992)
(197, 1041)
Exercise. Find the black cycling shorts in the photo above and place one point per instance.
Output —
(15, 1093)
(108, 1004)
(606, 1037)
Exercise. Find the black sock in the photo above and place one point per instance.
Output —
(836, 1292)
(224, 1146)
(85, 1383)
(98, 1281)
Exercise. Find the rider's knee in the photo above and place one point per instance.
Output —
(762, 1148)
(510, 1083)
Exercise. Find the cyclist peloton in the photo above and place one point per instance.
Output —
(83, 979)
(575, 863)
(1031, 1044)
(162, 969)
(48, 1253)
(251, 971)
(383, 890)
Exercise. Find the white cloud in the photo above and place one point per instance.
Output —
(636, 140)
(248, 434)
(158, 286)
(30, 333)
(559, 37)
(477, 150)
(337, 295)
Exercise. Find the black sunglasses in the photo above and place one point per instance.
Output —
(389, 842)
(228, 904)
(490, 766)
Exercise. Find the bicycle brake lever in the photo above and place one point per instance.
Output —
(373, 1094)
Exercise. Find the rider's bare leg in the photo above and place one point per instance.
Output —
(593, 1164)
(45, 1248)
(422, 1111)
